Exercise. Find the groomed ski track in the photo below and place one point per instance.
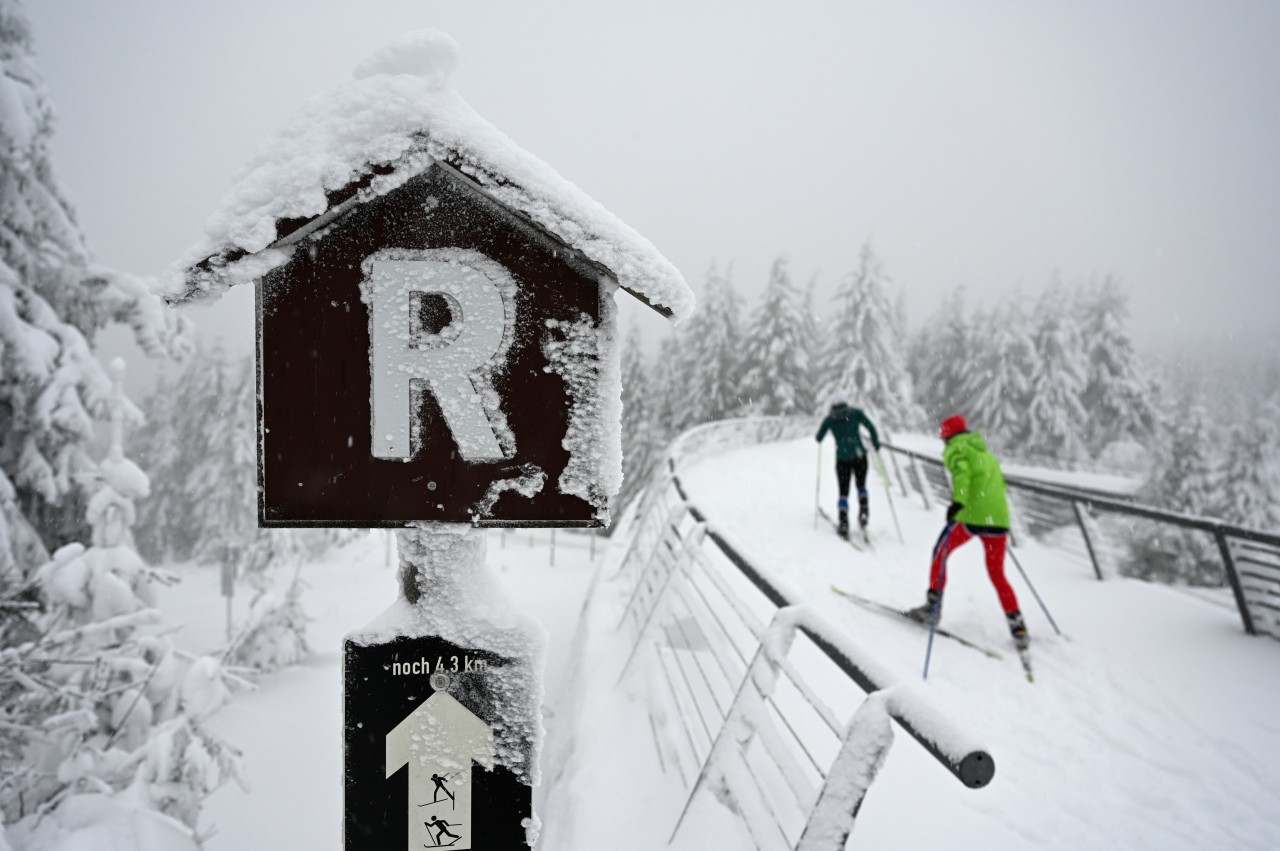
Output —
(1154, 725)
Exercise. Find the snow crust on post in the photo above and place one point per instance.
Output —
(528, 484)
(448, 591)
(400, 113)
(585, 355)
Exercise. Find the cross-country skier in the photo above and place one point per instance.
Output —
(440, 787)
(443, 827)
(845, 424)
(979, 507)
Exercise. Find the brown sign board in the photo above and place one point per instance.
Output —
(466, 415)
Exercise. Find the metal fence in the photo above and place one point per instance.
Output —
(769, 708)
(1097, 527)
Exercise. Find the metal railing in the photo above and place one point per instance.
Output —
(770, 708)
(1250, 559)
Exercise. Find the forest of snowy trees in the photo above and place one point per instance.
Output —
(1059, 383)
(101, 729)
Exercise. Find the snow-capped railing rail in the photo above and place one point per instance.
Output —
(767, 700)
(1250, 559)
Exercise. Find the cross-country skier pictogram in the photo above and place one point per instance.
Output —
(440, 787)
(442, 826)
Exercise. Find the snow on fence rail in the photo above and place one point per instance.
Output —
(771, 709)
(1250, 559)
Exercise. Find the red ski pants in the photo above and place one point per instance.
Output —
(994, 542)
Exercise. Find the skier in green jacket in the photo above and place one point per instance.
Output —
(979, 507)
(845, 423)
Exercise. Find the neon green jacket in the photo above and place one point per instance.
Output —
(976, 481)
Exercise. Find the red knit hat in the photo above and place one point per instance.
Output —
(952, 426)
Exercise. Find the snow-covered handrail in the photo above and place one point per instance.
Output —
(707, 620)
(972, 765)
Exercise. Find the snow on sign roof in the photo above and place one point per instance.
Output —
(373, 133)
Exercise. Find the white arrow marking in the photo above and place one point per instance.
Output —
(441, 738)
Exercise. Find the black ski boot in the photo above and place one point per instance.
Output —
(924, 614)
(1018, 628)
(864, 512)
(843, 528)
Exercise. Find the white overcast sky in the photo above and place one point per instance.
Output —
(987, 144)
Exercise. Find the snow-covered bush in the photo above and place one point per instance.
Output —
(1126, 456)
(274, 634)
(103, 822)
(94, 705)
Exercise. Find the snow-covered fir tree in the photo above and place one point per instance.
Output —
(1184, 480)
(710, 362)
(1004, 363)
(815, 343)
(165, 523)
(864, 362)
(201, 437)
(775, 351)
(941, 361)
(1055, 419)
(1250, 494)
(640, 433)
(76, 742)
(1118, 397)
(52, 300)
(665, 390)
(221, 487)
(200, 442)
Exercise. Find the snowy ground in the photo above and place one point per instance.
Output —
(290, 729)
(1152, 725)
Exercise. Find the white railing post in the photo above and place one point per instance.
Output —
(865, 746)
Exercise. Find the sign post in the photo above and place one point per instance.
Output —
(434, 690)
(436, 355)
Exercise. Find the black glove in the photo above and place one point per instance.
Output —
(952, 510)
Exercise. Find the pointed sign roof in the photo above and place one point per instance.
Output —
(395, 118)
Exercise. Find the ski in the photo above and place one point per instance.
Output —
(890, 610)
(834, 525)
(1025, 656)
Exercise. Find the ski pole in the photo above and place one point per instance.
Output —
(817, 490)
(1027, 580)
(937, 607)
(884, 477)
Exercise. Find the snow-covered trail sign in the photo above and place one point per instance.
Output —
(437, 352)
